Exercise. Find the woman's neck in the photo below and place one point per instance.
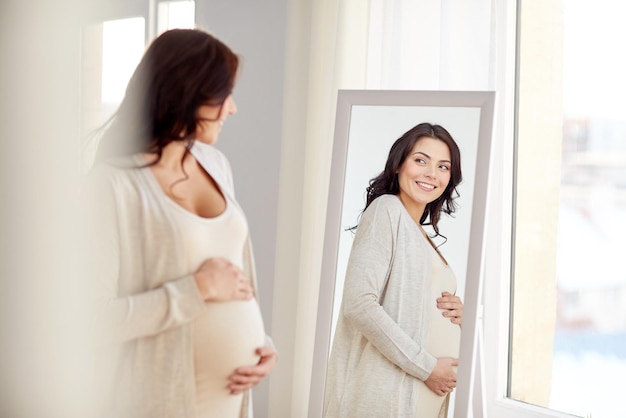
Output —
(171, 155)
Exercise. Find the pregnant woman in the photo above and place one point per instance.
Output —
(397, 338)
(176, 285)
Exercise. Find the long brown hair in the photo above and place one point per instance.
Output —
(180, 71)
(387, 181)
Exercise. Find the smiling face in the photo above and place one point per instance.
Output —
(424, 175)
(211, 119)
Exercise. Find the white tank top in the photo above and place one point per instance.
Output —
(227, 334)
(444, 337)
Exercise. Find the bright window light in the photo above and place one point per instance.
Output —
(123, 43)
(176, 14)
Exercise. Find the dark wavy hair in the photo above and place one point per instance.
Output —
(387, 181)
(180, 71)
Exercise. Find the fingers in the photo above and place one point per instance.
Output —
(243, 287)
(260, 370)
(242, 380)
(263, 367)
(449, 302)
(447, 390)
(450, 385)
(452, 307)
(243, 290)
(456, 317)
(442, 379)
(218, 280)
(245, 378)
(266, 351)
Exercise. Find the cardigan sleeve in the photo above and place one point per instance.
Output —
(367, 272)
(128, 317)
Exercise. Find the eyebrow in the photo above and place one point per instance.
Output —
(429, 157)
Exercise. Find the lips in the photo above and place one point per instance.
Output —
(425, 186)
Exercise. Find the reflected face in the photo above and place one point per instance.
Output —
(211, 119)
(424, 175)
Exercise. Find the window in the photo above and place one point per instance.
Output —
(175, 14)
(568, 325)
(111, 52)
(123, 43)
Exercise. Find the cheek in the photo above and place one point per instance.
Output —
(200, 128)
(447, 178)
(403, 177)
(444, 180)
(407, 171)
(223, 111)
(446, 185)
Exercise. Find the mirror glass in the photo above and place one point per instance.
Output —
(373, 129)
(367, 124)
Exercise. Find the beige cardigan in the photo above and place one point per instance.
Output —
(377, 354)
(146, 299)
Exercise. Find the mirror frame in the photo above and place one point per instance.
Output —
(484, 100)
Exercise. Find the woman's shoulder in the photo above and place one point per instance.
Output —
(214, 162)
(387, 216)
(123, 175)
(114, 168)
(388, 203)
(208, 154)
(384, 210)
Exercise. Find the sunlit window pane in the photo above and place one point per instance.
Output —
(123, 43)
(176, 14)
(111, 51)
(568, 340)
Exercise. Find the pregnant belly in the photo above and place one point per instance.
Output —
(226, 336)
(444, 337)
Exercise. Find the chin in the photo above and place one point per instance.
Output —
(208, 141)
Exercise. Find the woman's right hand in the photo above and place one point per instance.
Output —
(442, 380)
(219, 280)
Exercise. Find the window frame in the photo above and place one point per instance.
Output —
(491, 389)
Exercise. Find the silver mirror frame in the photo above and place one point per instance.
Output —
(346, 99)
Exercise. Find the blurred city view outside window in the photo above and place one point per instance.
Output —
(568, 344)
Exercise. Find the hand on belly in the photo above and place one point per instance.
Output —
(245, 378)
(226, 337)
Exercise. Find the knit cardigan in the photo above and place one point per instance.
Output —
(378, 351)
(146, 301)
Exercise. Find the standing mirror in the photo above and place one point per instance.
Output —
(366, 125)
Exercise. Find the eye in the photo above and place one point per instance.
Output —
(420, 161)
(444, 167)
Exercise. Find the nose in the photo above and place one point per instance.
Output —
(231, 105)
(431, 171)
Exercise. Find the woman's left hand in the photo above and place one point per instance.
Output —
(452, 307)
(245, 378)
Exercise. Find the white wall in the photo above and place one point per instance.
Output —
(41, 369)
(252, 138)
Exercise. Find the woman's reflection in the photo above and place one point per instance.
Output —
(397, 340)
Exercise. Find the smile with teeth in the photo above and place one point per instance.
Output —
(425, 185)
